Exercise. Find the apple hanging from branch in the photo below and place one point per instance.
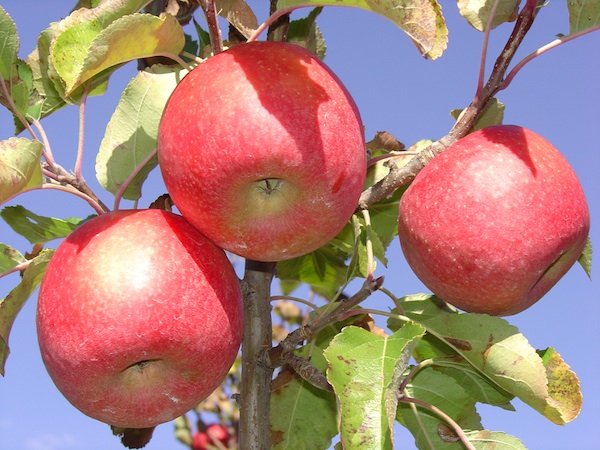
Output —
(262, 149)
(139, 317)
(493, 222)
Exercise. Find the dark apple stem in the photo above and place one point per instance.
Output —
(400, 176)
(255, 390)
(212, 20)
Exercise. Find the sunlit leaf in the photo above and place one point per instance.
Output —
(365, 371)
(477, 12)
(497, 440)
(14, 301)
(37, 229)
(79, 29)
(583, 14)
(19, 166)
(421, 20)
(81, 52)
(586, 258)
(9, 44)
(132, 130)
(445, 393)
(9, 258)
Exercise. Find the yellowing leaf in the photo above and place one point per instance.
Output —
(127, 38)
(421, 20)
(497, 350)
(19, 166)
(563, 387)
(477, 12)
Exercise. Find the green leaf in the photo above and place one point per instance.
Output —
(365, 371)
(9, 44)
(14, 301)
(81, 52)
(37, 229)
(421, 20)
(476, 385)
(477, 12)
(296, 405)
(19, 166)
(445, 393)
(493, 114)
(586, 258)
(306, 33)
(583, 14)
(9, 258)
(493, 347)
(324, 270)
(131, 133)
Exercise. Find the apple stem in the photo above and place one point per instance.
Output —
(543, 49)
(81, 137)
(399, 176)
(484, 49)
(131, 176)
(214, 31)
(255, 389)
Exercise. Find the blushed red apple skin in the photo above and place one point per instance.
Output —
(493, 222)
(263, 110)
(132, 286)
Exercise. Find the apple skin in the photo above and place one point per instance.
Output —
(494, 221)
(262, 149)
(139, 317)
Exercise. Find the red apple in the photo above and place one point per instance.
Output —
(262, 149)
(139, 317)
(206, 439)
(494, 221)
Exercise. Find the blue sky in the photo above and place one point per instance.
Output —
(396, 90)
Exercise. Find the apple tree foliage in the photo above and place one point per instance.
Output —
(331, 373)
